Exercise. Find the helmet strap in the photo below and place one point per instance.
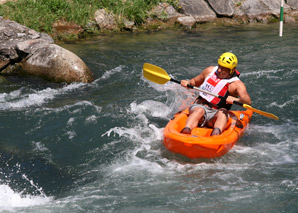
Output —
(232, 71)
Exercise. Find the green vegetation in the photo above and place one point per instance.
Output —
(238, 4)
(41, 14)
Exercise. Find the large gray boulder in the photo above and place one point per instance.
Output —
(56, 64)
(222, 7)
(187, 21)
(258, 10)
(12, 33)
(198, 9)
(293, 4)
(38, 55)
(253, 8)
(164, 11)
(105, 20)
(240, 10)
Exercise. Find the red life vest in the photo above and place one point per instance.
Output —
(217, 86)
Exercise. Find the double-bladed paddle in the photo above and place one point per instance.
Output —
(160, 76)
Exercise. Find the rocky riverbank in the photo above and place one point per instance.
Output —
(242, 12)
(191, 13)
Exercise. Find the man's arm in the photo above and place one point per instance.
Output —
(239, 93)
(199, 79)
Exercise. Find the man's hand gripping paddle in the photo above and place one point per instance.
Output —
(160, 76)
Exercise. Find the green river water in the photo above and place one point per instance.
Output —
(98, 147)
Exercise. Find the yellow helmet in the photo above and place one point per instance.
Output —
(228, 60)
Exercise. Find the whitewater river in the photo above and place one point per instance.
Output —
(98, 147)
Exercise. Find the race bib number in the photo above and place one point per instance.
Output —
(208, 88)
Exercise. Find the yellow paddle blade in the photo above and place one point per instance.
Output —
(155, 74)
(266, 114)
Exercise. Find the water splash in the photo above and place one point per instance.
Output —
(10, 199)
(24, 98)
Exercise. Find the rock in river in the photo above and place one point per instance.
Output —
(57, 64)
(37, 55)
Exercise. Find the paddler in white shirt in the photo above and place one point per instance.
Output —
(222, 80)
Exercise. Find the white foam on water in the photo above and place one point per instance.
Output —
(262, 73)
(159, 109)
(139, 133)
(69, 106)
(275, 145)
(108, 74)
(292, 101)
(71, 134)
(91, 119)
(278, 154)
(138, 164)
(178, 97)
(20, 98)
(144, 134)
(39, 147)
(274, 130)
(70, 121)
(140, 112)
(10, 199)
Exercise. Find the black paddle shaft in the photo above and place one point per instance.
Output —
(192, 87)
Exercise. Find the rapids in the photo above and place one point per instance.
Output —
(98, 147)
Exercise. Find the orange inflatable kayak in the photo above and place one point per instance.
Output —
(199, 144)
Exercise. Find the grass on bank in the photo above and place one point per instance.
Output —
(41, 14)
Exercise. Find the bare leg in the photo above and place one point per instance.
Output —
(193, 120)
(219, 121)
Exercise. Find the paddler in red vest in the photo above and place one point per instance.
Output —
(223, 80)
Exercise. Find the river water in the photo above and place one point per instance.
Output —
(98, 147)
